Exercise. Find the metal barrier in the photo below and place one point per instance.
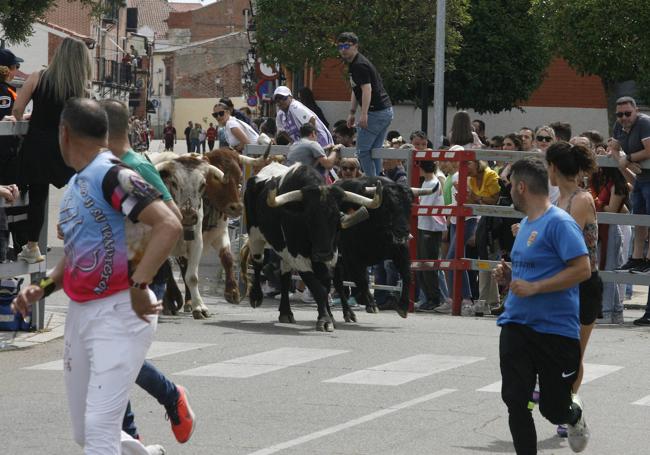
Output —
(462, 210)
(36, 271)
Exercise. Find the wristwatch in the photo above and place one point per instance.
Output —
(137, 285)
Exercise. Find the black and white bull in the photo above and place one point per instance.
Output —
(298, 216)
(382, 235)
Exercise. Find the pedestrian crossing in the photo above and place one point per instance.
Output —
(396, 372)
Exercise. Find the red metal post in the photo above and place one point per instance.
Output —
(415, 183)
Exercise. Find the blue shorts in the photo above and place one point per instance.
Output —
(641, 198)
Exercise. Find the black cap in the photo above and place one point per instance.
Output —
(348, 37)
(7, 58)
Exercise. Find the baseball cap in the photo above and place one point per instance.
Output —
(348, 37)
(282, 91)
(7, 58)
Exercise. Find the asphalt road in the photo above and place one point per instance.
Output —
(424, 385)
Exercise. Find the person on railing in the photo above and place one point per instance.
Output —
(40, 161)
(566, 164)
(237, 133)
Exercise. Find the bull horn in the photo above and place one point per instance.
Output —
(216, 172)
(422, 191)
(272, 200)
(370, 189)
(256, 162)
(347, 221)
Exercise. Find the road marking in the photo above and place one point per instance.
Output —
(157, 349)
(405, 370)
(592, 372)
(352, 423)
(263, 362)
(645, 401)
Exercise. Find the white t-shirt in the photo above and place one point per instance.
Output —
(435, 223)
(244, 127)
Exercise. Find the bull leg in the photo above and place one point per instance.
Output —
(324, 322)
(401, 261)
(172, 299)
(199, 310)
(360, 276)
(220, 241)
(256, 247)
(286, 315)
(182, 264)
(348, 314)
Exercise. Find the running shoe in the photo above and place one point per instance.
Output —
(30, 255)
(631, 264)
(444, 308)
(643, 267)
(181, 417)
(578, 433)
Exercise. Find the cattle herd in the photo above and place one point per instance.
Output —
(328, 234)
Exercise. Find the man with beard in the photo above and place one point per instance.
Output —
(540, 327)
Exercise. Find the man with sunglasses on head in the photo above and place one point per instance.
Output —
(292, 115)
(632, 131)
(369, 93)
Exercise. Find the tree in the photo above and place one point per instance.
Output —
(18, 16)
(502, 58)
(602, 38)
(398, 37)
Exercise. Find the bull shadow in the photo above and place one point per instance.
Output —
(300, 328)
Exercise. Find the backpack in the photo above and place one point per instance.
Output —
(10, 321)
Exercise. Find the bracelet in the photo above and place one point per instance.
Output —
(48, 286)
(137, 285)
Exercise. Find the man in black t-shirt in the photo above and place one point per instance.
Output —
(188, 130)
(368, 92)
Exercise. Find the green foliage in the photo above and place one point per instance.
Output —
(18, 16)
(502, 58)
(398, 37)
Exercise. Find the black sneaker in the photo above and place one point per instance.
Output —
(632, 263)
(643, 267)
(642, 321)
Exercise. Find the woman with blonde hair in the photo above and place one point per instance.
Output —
(40, 161)
(350, 168)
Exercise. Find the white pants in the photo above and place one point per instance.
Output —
(105, 346)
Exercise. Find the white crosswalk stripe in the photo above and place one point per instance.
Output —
(157, 349)
(592, 372)
(405, 370)
(263, 362)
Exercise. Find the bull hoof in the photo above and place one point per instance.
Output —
(198, 314)
(372, 309)
(287, 319)
(187, 307)
(349, 316)
(205, 313)
(232, 297)
(323, 325)
(403, 312)
(255, 302)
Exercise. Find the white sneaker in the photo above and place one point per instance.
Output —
(155, 449)
(30, 255)
(444, 308)
(579, 433)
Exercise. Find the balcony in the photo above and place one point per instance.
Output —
(114, 73)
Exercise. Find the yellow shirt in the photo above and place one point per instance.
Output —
(490, 185)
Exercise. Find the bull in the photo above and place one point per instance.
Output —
(298, 216)
(383, 234)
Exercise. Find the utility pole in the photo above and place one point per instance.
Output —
(439, 78)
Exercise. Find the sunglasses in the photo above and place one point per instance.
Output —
(279, 98)
(347, 168)
(343, 46)
(218, 114)
(544, 138)
(626, 114)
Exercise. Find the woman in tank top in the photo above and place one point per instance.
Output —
(40, 160)
(566, 165)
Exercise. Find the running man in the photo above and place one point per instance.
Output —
(540, 326)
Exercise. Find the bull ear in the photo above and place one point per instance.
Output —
(215, 172)
(272, 200)
(164, 169)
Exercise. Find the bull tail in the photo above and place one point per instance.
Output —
(244, 258)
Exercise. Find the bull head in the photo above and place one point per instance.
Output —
(273, 200)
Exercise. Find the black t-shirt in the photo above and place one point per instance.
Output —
(363, 72)
(632, 141)
(7, 99)
(188, 130)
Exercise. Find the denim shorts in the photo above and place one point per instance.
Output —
(641, 198)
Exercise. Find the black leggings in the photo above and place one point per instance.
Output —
(555, 359)
(36, 210)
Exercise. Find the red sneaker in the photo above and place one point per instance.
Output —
(182, 417)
